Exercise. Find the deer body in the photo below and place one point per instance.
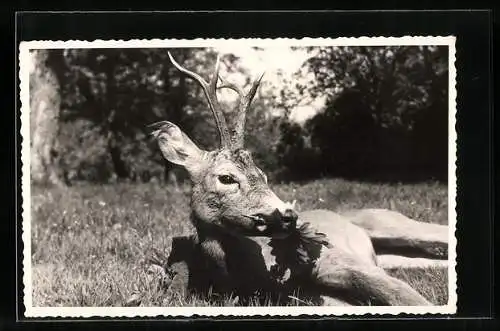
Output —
(346, 273)
(240, 223)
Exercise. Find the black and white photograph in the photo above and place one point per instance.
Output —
(241, 177)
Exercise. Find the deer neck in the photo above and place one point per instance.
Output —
(207, 230)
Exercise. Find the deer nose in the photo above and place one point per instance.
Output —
(289, 216)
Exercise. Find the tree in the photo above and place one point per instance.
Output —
(346, 134)
(385, 113)
(111, 95)
(45, 106)
(430, 132)
(297, 159)
(262, 136)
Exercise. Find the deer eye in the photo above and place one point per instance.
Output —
(227, 180)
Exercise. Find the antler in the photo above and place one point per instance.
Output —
(234, 140)
(210, 92)
(244, 101)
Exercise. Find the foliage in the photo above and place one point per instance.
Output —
(385, 115)
(298, 252)
(109, 97)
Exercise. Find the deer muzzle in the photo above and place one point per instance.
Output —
(279, 217)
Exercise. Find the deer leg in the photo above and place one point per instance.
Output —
(331, 301)
(373, 286)
(394, 233)
(215, 259)
(197, 266)
(389, 261)
(180, 265)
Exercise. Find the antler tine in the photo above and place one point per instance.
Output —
(244, 102)
(231, 86)
(253, 90)
(210, 88)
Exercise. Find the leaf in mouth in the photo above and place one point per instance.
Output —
(300, 250)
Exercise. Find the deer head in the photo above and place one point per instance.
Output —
(229, 191)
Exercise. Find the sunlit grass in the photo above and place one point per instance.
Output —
(91, 244)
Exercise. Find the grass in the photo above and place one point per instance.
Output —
(91, 244)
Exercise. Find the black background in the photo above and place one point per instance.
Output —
(474, 122)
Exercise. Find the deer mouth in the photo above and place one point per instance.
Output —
(270, 224)
(260, 222)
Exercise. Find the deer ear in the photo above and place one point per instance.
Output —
(176, 146)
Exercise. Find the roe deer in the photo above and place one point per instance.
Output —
(250, 238)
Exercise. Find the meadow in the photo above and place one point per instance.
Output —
(92, 245)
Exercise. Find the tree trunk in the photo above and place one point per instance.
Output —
(119, 166)
(45, 103)
(169, 175)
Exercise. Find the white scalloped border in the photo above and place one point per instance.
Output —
(84, 312)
